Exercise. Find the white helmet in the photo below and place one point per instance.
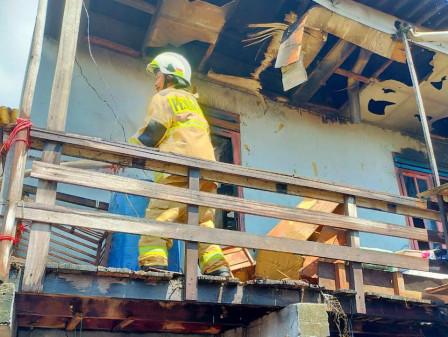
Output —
(171, 64)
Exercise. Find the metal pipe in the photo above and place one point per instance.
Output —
(429, 36)
(421, 109)
(424, 121)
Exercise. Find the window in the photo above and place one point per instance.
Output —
(413, 180)
(225, 135)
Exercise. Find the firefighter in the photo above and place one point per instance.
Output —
(175, 123)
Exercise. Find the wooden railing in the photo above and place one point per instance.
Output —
(68, 243)
(53, 143)
(151, 159)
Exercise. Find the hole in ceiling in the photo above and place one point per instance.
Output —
(438, 85)
(388, 91)
(378, 107)
(440, 127)
(428, 118)
(218, 3)
(400, 71)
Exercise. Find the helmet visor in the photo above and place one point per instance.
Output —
(153, 67)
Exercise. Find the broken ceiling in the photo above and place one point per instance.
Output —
(210, 34)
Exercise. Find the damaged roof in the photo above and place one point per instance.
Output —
(210, 34)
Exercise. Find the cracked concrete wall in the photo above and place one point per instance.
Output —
(297, 320)
(7, 310)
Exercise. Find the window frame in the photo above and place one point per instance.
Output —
(416, 172)
(227, 124)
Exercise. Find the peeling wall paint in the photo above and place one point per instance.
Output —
(281, 139)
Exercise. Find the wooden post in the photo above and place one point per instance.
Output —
(356, 277)
(11, 191)
(191, 248)
(39, 241)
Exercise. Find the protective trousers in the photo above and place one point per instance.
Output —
(153, 251)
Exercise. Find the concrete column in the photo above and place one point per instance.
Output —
(7, 310)
(297, 320)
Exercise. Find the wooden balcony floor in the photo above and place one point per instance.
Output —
(112, 299)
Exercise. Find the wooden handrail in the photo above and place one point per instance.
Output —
(107, 182)
(119, 223)
(152, 159)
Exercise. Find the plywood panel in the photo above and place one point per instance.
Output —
(277, 265)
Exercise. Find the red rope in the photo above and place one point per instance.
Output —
(15, 240)
(22, 124)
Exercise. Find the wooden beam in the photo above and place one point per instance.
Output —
(72, 199)
(139, 4)
(356, 277)
(440, 190)
(436, 10)
(40, 233)
(152, 24)
(415, 8)
(105, 257)
(342, 281)
(118, 223)
(350, 74)
(113, 46)
(126, 310)
(398, 281)
(152, 159)
(335, 57)
(73, 323)
(123, 324)
(435, 290)
(11, 190)
(191, 248)
(208, 53)
(147, 189)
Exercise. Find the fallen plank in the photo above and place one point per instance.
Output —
(132, 186)
(278, 266)
(438, 289)
(329, 236)
(440, 190)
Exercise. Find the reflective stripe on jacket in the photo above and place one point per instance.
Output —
(187, 130)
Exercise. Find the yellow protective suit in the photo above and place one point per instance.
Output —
(185, 131)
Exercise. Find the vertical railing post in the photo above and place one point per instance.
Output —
(356, 277)
(191, 248)
(12, 184)
(39, 241)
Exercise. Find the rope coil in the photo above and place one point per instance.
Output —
(22, 124)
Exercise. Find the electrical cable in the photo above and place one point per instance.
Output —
(116, 115)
